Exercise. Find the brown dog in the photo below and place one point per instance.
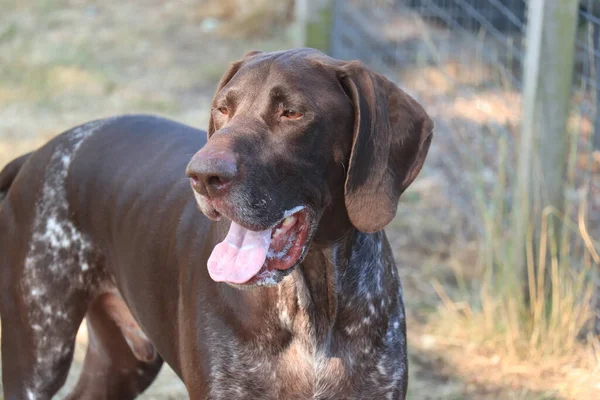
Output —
(305, 160)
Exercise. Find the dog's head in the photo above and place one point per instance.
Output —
(294, 135)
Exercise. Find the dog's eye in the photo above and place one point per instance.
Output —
(291, 114)
(223, 110)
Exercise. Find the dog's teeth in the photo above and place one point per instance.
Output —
(289, 220)
(277, 233)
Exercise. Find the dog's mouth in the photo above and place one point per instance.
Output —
(261, 257)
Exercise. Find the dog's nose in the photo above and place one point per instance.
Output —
(211, 175)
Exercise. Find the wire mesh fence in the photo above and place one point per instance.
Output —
(464, 60)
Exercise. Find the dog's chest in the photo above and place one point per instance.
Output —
(283, 365)
(359, 354)
(281, 362)
(358, 368)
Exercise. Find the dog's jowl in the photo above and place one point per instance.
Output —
(251, 258)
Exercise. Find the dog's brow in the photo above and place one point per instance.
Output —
(278, 93)
(289, 97)
(230, 96)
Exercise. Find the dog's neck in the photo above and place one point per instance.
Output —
(344, 290)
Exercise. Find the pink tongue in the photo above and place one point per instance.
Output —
(240, 256)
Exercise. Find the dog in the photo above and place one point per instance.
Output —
(284, 286)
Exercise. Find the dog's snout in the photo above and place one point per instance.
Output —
(211, 175)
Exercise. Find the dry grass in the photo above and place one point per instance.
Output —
(493, 373)
(534, 344)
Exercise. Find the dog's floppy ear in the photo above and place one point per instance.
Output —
(392, 134)
(233, 69)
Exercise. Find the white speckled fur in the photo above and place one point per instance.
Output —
(58, 259)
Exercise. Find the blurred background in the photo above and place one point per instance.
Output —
(498, 239)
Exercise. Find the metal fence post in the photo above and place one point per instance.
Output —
(548, 72)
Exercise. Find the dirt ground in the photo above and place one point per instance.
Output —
(65, 62)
